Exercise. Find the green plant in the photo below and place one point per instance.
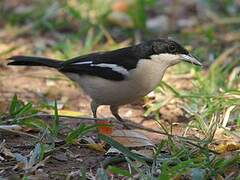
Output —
(18, 108)
(74, 134)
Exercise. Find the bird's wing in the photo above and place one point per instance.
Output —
(112, 65)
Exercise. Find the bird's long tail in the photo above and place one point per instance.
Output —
(34, 61)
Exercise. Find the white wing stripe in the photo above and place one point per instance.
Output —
(114, 67)
(85, 62)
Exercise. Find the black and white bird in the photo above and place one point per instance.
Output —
(120, 76)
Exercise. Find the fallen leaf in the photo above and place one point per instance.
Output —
(106, 129)
(113, 150)
(225, 147)
(130, 138)
(69, 113)
(15, 129)
(97, 147)
(145, 152)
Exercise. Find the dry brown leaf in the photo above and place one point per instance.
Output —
(29, 129)
(15, 129)
(62, 112)
(70, 113)
(97, 147)
(106, 130)
(130, 138)
(145, 152)
(225, 147)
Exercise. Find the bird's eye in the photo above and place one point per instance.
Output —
(172, 48)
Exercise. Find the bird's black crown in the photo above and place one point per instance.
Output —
(159, 46)
(168, 46)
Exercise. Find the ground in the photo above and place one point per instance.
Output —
(46, 85)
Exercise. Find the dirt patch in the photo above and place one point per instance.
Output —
(60, 163)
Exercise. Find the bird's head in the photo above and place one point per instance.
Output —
(170, 52)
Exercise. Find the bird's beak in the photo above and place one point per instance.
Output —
(190, 59)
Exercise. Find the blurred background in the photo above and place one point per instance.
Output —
(70, 28)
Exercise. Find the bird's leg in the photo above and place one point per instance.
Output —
(114, 111)
(94, 107)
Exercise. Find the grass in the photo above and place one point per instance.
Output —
(212, 104)
(207, 104)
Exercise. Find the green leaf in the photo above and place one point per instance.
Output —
(118, 171)
(73, 11)
(228, 162)
(164, 172)
(80, 131)
(37, 154)
(24, 178)
(24, 109)
(182, 166)
(238, 121)
(18, 109)
(123, 149)
(174, 91)
(35, 123)
(160, 147)
(54, 129)
(138, 14)
(13, 105)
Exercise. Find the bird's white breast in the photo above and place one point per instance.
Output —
(140, 81)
